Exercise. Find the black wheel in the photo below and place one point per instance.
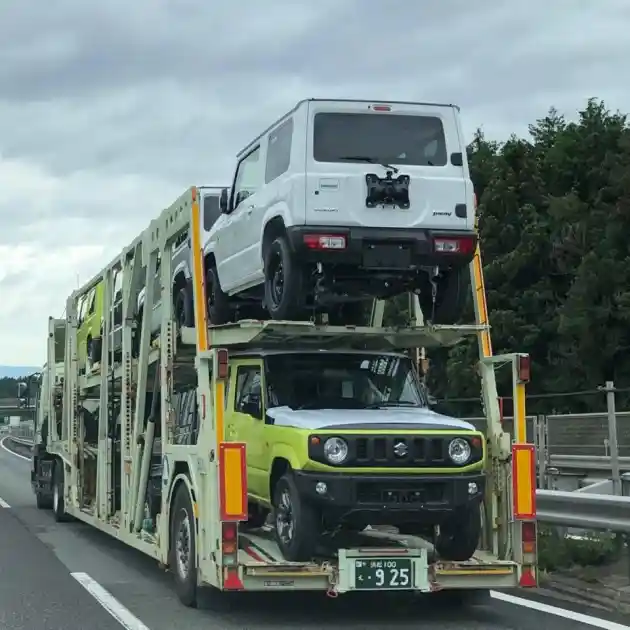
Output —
(218, 303)
(58, 498)
(136, 334)
(283, 281)
(183, 548)
(297, 523)
(43, 501)
(183, 308)
(459, 536)
(453, 290)
(94, 350)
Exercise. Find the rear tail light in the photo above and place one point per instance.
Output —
(454, 244)
(325, 241)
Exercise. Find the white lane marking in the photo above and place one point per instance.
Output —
(3, 503)
(124, 616)
(559, 612)
(8, 450)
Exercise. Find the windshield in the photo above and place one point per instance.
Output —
(382, 138)
(341, 381)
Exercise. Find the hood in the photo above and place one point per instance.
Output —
(386, 419)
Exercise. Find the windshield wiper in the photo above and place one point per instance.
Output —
(393, 403)
(369, 160)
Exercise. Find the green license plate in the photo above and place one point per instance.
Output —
(383, 573)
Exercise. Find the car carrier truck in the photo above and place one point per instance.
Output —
(150, 450)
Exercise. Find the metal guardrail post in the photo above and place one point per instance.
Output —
(609, 388)
(540, 441)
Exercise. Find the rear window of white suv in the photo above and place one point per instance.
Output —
(381, 138)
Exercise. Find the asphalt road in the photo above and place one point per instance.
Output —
(42, 564)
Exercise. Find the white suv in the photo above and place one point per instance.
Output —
(340, 201)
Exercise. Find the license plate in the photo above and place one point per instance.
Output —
(386, 257)
(383, 573)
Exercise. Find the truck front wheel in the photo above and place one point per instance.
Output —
(297, 523)
(58, 499)
(459, 535)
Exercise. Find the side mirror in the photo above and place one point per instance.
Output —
(223, 201)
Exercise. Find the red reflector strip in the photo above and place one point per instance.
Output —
(528, 577)
(524, 481)
(231, 580)
(233, 481)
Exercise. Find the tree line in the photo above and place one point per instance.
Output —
(554, 225)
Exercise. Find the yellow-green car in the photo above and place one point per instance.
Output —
(89, 318)
(343, 440)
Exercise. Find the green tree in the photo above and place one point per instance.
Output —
(554, 223)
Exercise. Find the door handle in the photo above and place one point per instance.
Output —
(250, 209)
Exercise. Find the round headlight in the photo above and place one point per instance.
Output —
(336, 450)
(459, 451)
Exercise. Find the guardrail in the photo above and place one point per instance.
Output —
(587, 463)
(585, 511)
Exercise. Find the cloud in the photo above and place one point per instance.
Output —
(108, 111)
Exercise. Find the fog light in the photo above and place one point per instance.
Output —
(472, 488)
(321, 488)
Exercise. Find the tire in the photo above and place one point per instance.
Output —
(136, 334)
(218, 302)
(43, 501)
(459, 536)
(58, 500)
(183, 548)
(283, 281)
(299, 544)
(94, 350)
(452, 295)
(183, 309)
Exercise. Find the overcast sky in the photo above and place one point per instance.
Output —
(109, 110)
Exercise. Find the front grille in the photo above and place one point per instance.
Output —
(401, 451)
(400, 494)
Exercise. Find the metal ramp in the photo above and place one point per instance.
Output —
(289, 334)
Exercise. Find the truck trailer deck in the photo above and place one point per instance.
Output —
(137, 447)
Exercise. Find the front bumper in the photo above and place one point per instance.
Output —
(390, 499)
(415, 245)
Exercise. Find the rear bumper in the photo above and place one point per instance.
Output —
(418, 242)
